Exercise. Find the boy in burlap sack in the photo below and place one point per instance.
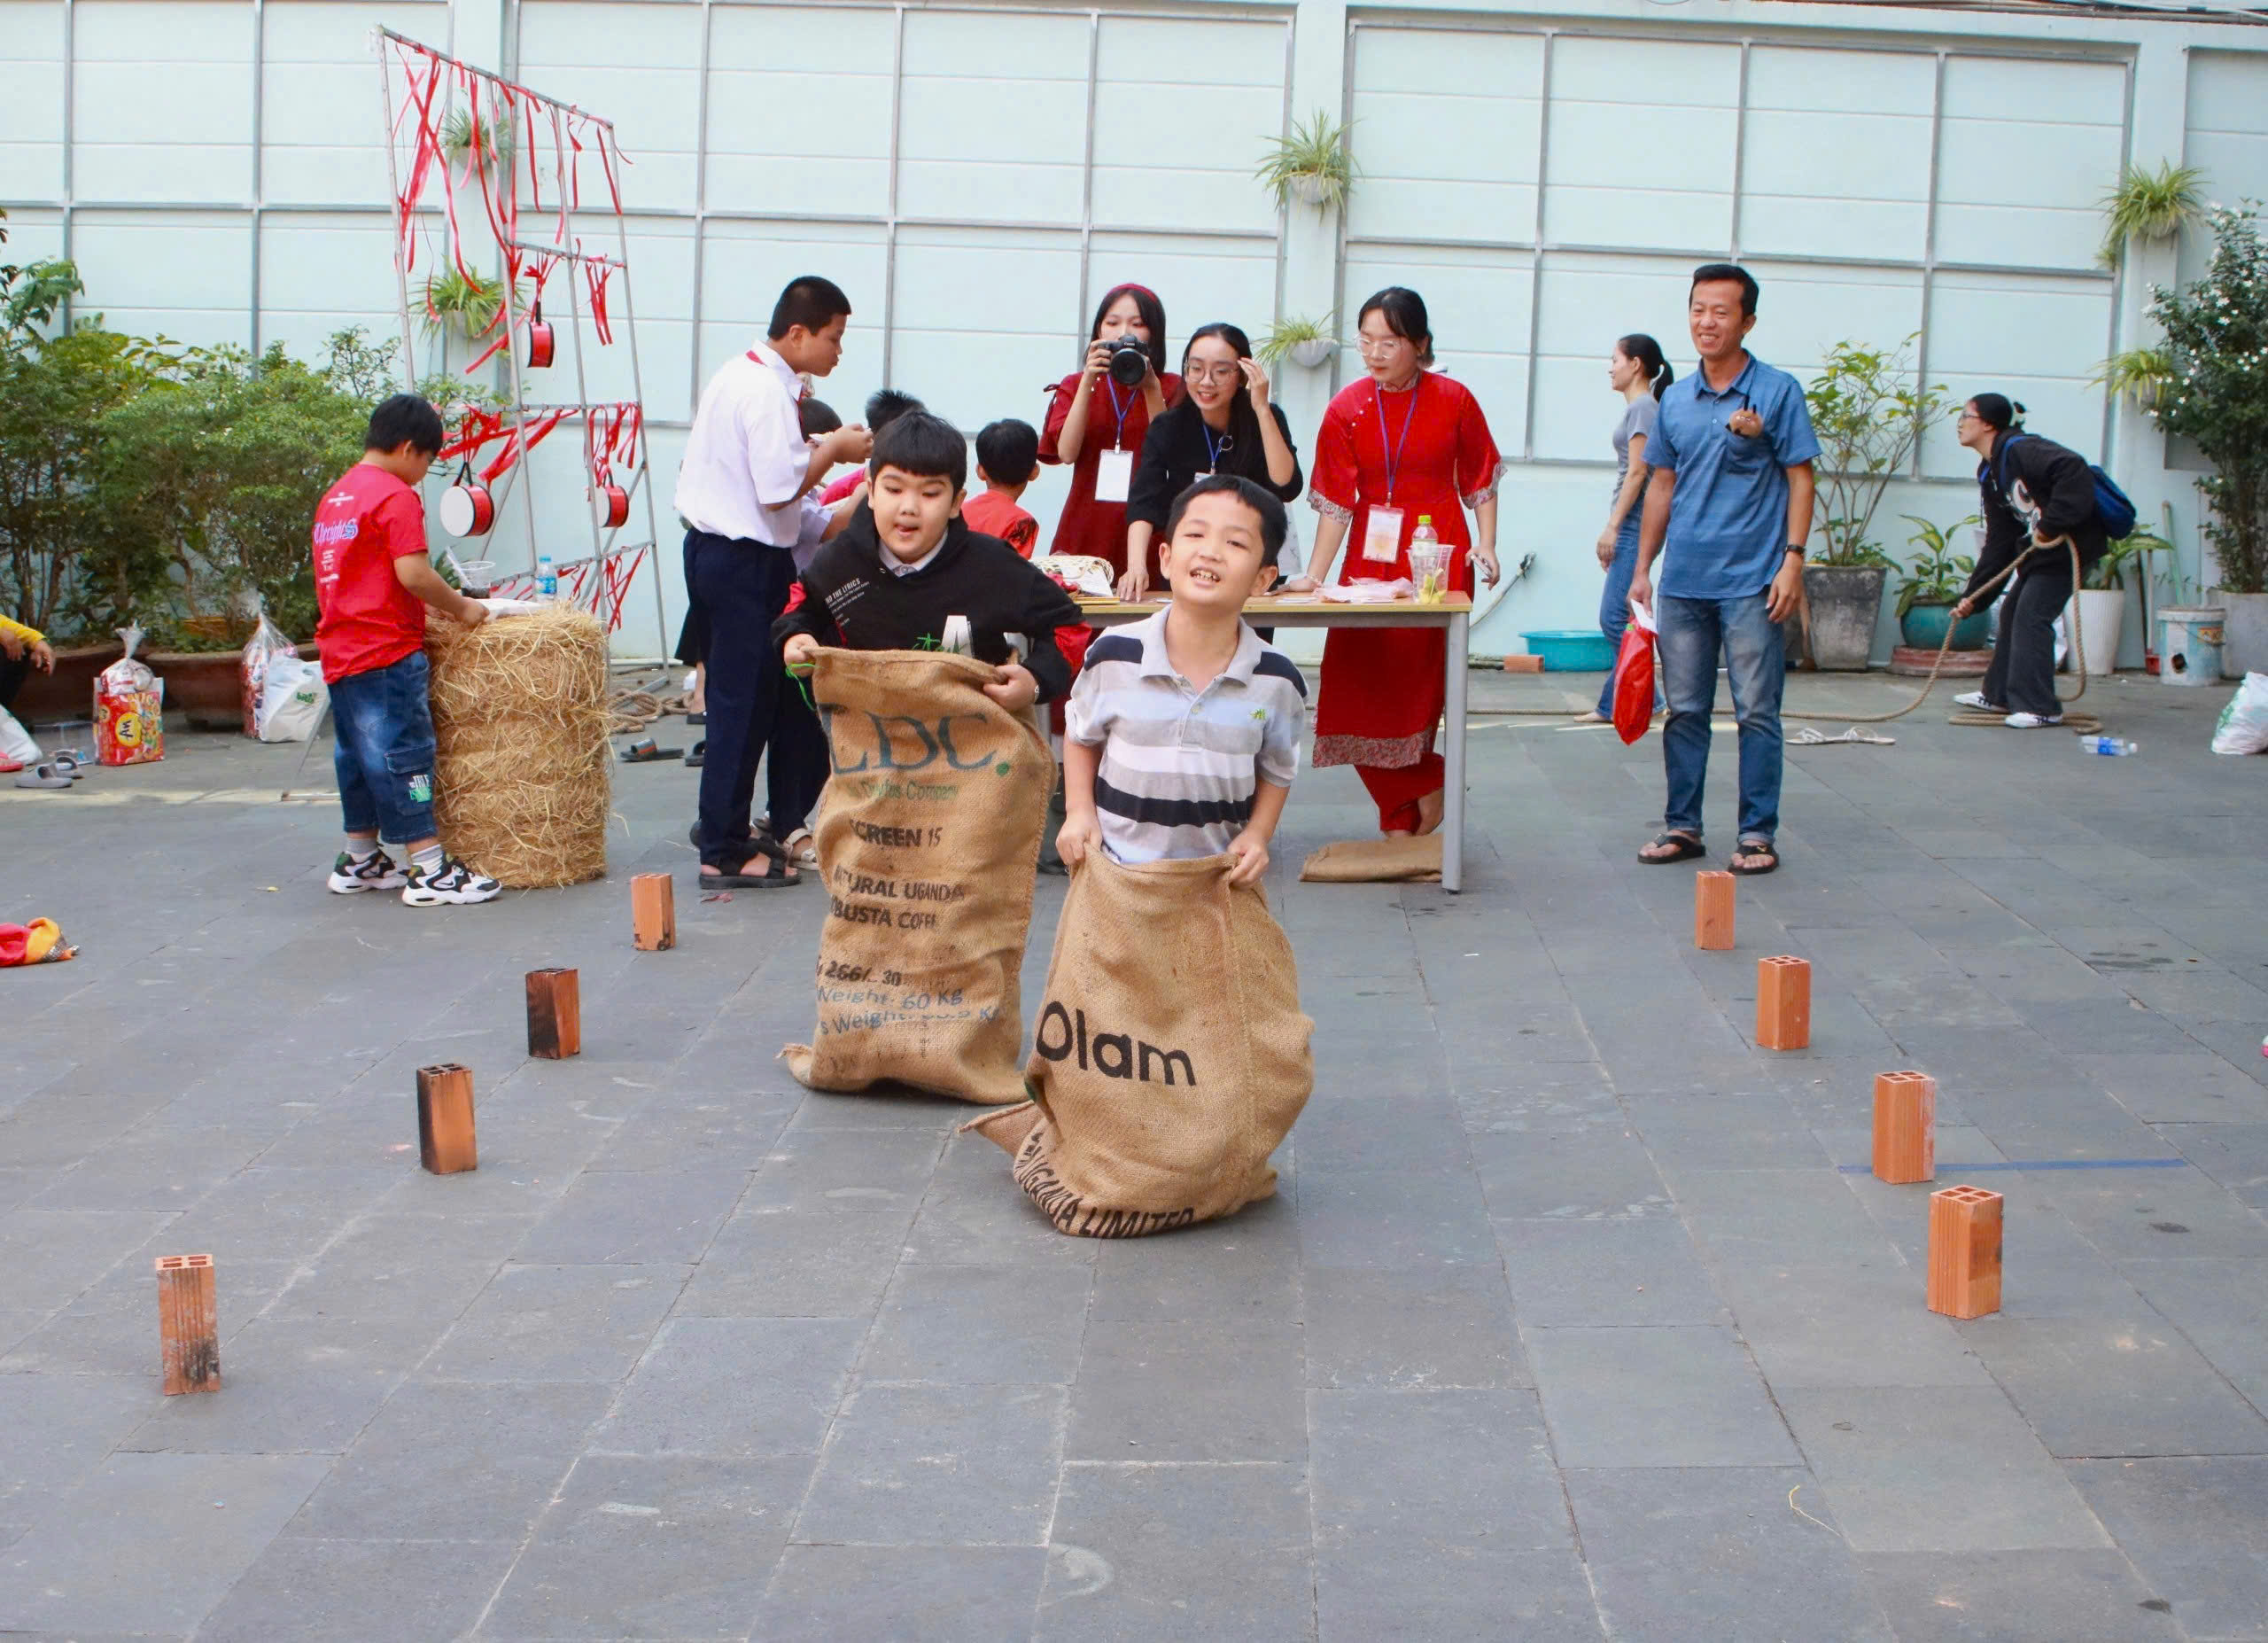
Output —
(1171, 1056)
(928, 831)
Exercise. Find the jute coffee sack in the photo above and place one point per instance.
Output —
(1170, 1056)
(929, 844)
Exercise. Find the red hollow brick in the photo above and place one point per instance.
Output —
(554, 1013)
(1905, 1119)
(1712, 912)
(189, 1323)
(1782, 1003)
(1964, 1252)
(445, 1135)
(653, 912)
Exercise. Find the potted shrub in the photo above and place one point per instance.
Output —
(2102, 598)
(1311, 164)
(1307, 343)
(1931, 585)
(2216, 395)
(1868, 413)
(2149, 205)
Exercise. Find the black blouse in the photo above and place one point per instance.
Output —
(1177, 452)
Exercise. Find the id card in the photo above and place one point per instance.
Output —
(1382, 536)
(1114, 476)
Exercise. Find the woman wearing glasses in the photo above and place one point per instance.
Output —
(1402, 445)
(1098, 416)
(1216, 428)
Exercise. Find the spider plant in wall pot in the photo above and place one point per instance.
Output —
(2141, 375)
(1307, 343)
(458, 304)
(2150, 206)
(1311, 164)
(495, 141)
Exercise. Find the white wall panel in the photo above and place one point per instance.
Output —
(981, 317)
(645, 76)
(1182, 110)
(745, 265)
(186, 276)
(162, 95)
(2227, 138)
(1642, 140)
(2028, 151)
(31, 99)
(1417, 180)
(320, 143)
(993, 129)
(1588, 302)
(778, 74)
(1837, 152)
(318, 274)
(2030, 339)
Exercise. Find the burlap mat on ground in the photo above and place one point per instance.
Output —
(1376, 860)
(929, 844)
(1170, 1057)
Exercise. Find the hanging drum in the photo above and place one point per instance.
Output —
(467, 509)
(610, 503)
(542, 345)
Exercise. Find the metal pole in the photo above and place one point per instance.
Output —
(645, 448)
(70, 135)
(398, 215)
(491, 74)
(1535, 248)
(890, 231)
(1087, 181)
(259, 185)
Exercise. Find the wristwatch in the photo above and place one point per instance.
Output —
(1796, 549)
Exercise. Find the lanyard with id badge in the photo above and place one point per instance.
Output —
(1382, 526)
(1114, 468)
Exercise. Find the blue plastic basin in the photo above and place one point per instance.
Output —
(1571, 649)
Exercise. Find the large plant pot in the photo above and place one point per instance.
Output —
(1846, 602)
(68, 693)
(2245, 647)
(2102, 620)
(1923, 628)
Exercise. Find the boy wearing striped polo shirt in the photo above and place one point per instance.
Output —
(1182, 736)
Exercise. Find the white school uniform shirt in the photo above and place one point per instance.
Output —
(746, 456)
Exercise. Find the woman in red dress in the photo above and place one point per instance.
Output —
(1098, 425)
(1409, 442)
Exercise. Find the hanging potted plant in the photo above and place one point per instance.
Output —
(1311, 164)
(496, 149)
(1307, 343)
(1868, 413)
(1931, 587)
(461, 304)
(2149, 205)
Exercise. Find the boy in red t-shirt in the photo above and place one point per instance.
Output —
(1008, 460)
(373, 583)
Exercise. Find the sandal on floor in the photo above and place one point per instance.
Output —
(804, 847)
(44, 775)
(1687, 847)
(1754, 848)
(645, 753)
(782, 876)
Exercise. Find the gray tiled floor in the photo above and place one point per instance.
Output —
(1575, 1316)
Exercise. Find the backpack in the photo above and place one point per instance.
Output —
(2114, 510)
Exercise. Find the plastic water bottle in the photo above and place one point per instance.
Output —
(546, 577)
(2114, 745)
(1427, 561)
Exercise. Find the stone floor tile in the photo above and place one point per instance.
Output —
(2147, 1215)
(1594, 1174)
(847, 1170)
(1166, 1391)
(113, 1328)
(2235, 1154)
(652, 1547)
(56, 1428)
(333, 1591)
(1776, 1218)
(2194, 1086)
(2015, 1597)
(1215, 1273)
(686, 1131)
(903, 1594)
(1613, 1272)
(1662, 1396)
(737, 1388)
(798, 1263)
(213, 1516)
(2222, 1306)
(981, 1326)
(1848, 1326)
(2093, 1388)
(53, 1256)
(975, 1215)
(455, 1461)
(2197, 1531)
(940, 1466)
(1189, 1551)
(1346, 1133)
(1392, 1219)
(1721, 1553)
(293, 1386)
(618, 1218)
(1424, 1329)
(558, 1323)
(1948, 1469)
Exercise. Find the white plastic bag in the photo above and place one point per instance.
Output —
(2243, 726)
(292, 699)
(16, 743)
(251, 666)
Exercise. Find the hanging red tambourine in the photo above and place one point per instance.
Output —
(467, 509)
(542, 344)
(610, 503)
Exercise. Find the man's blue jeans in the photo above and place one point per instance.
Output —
(1693, 632)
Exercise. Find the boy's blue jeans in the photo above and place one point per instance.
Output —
(1693, 632)
(385, 757)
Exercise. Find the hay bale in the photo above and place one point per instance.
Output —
(523, 768)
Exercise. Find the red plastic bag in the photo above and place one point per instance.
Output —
(1634, 677)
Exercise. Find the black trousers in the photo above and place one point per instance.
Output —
(753, 706)
(12, 676)
(2022, 673)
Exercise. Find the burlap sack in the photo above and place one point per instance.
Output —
(928, 843)
(1170, 1059)
(1375, 861)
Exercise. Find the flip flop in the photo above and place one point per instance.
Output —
(46, 776)
(1755, 847)
(804, 847)
(699, 756)
(1687, 847)
(68, 763)
(645, 753)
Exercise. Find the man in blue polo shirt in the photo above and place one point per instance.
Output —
(1729, 502)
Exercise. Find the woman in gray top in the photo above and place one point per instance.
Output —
(1637, 371)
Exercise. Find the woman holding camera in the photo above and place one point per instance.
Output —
(1098, 417)
(1401, 445)
(1218, 427)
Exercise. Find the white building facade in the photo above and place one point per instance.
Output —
(976, 175)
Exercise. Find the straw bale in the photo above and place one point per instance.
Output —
(523, 771)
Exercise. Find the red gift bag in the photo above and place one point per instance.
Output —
(1634, 677)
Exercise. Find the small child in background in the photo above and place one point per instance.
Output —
(1182, 736)
(1008, 460)
(884, 406)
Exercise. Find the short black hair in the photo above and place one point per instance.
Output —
(405, 419)
(885, 406)
(810, 301)
(1998, 411)
(1273, 525)
(1710, 272)
(924, 445)
(817, 418)
(1008, 451)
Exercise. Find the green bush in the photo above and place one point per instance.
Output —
(1868, 412)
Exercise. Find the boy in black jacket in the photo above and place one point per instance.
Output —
(907, 567)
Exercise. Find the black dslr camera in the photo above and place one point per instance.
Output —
(1130, 361)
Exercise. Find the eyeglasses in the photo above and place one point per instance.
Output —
(1381, 345)
(1210, 373)
(1965, 415)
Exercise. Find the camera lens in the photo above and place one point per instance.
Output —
(1128, 362)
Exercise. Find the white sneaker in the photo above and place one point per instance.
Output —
(2031, 721)
(378, 871)
(1976, 700)
(451, 884)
